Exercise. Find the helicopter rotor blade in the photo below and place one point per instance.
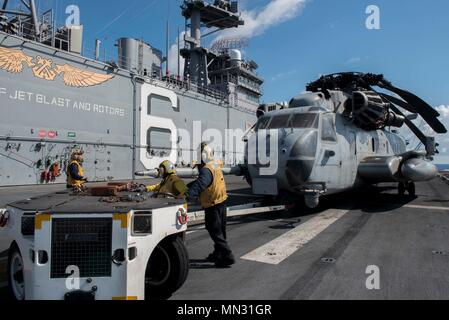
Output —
(351, 81)
(430, 147)
(430, 118)
(400, 103)
(409, 97)
(416, 131)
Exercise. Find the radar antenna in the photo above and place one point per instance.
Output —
(224, 44)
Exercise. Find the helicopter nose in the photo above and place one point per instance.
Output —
(302, 159)
(298, 171)
(305, 146)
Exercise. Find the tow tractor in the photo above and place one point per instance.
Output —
(117, 245)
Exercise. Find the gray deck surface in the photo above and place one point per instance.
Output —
(407, 239)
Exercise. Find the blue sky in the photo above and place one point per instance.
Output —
(313, 37)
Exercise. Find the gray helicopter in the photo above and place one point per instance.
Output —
(340, 135)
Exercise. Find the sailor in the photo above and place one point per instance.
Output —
(171, 183)
(75, 171)
(210, 188)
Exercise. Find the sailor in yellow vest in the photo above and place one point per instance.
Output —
(210, 188)
(75, 171)
(171, 183)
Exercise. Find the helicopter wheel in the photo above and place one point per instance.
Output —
(411, 188)
(312, 200)
(401, 189)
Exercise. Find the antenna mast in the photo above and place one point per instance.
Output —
(30, 14)
(222, 14)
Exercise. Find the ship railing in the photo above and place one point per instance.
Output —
(50, 37)
(25, 29)
(250, 87)
(206, 91)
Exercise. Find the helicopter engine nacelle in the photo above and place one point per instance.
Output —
(419, 170)
(371, 112)
(396, 169)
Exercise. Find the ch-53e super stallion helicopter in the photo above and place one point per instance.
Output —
(338, 136)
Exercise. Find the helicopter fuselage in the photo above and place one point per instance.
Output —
(313, 149)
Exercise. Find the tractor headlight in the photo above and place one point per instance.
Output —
(142, 223)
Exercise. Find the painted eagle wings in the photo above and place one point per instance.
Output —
(74, 77)
(12, 60)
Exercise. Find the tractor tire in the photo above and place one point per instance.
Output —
(167, 269)
(16, 277)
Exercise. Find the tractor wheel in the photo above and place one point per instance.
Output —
(167, 269)
(16, 277)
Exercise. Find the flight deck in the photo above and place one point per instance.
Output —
(325, 253)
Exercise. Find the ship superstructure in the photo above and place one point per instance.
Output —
(128, 114)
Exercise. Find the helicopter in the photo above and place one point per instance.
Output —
(339, 135)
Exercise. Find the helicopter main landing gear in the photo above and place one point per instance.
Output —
(312, 199)
(409, 187)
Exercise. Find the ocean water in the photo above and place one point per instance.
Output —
(443, 167)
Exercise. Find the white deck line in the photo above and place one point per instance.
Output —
(427, 207)
(286, 245)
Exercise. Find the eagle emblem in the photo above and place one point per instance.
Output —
(14, 61)
(74, 77)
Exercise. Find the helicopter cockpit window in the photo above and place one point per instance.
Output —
(304, 120)
(328, 132)
(279, 122)
(262, 124)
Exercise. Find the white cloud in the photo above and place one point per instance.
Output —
(444, 111)
(173, 56)
(258, 21)
(357, 60)
(353, 60)
(443, 140)
(281, 75)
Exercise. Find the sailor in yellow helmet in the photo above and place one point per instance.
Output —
(75, 171)
(210, 188)
(171, 183)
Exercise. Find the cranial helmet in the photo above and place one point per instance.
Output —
(76, 153)
(206, 153)
(166, 168)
